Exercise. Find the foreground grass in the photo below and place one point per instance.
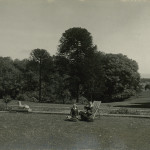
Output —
(19, 131)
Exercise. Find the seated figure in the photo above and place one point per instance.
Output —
(24, 106)
(87, 114)
(73, 113)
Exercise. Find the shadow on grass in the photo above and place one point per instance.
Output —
(136, 105)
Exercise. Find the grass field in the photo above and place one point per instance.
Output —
(23, 131)
(141, 101)
(139, 105)
(19, 131)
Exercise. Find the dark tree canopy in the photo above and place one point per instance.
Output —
(40, 56)
(78, 71)
(74, 38)
(85, 67)
(121, 76)
(9, 77)
(76, 45)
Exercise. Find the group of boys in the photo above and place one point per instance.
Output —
(85, 115)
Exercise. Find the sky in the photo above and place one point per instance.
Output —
(117, 26)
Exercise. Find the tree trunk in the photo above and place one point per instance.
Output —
(77, 98)
(40, 80)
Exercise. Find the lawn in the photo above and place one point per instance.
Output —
(140, 102)
(21, 131)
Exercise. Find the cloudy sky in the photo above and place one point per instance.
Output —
(117, 26)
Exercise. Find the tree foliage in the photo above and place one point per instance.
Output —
(40, 59)
(76, 46)
(9, 77)
(121, 76)
(77, 71)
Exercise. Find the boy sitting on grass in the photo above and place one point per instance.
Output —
(73, 113)
(87, 114)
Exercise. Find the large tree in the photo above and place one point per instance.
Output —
(121, 76)
(94, 80)
(39, 58)
(9, 78)
(76, 46)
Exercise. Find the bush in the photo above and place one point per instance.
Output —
(83, 100)
(122, 111)
(70, 101)
(28, 96)
(48, 99)
(6, 100)
(22, 97)
(2, 107)
(125, 111)
(124, 95)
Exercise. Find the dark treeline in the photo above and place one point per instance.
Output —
(77, 72)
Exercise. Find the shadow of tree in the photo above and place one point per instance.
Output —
(136, 105)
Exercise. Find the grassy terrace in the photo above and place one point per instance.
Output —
(136, 105)
(20, 131)
(28, 131)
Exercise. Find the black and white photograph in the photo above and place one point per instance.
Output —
(74, 75)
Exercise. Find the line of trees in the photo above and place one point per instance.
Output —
(77, 72)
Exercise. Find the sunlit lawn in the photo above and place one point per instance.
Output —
(140, 102)
(21, 131)
(28, 131)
